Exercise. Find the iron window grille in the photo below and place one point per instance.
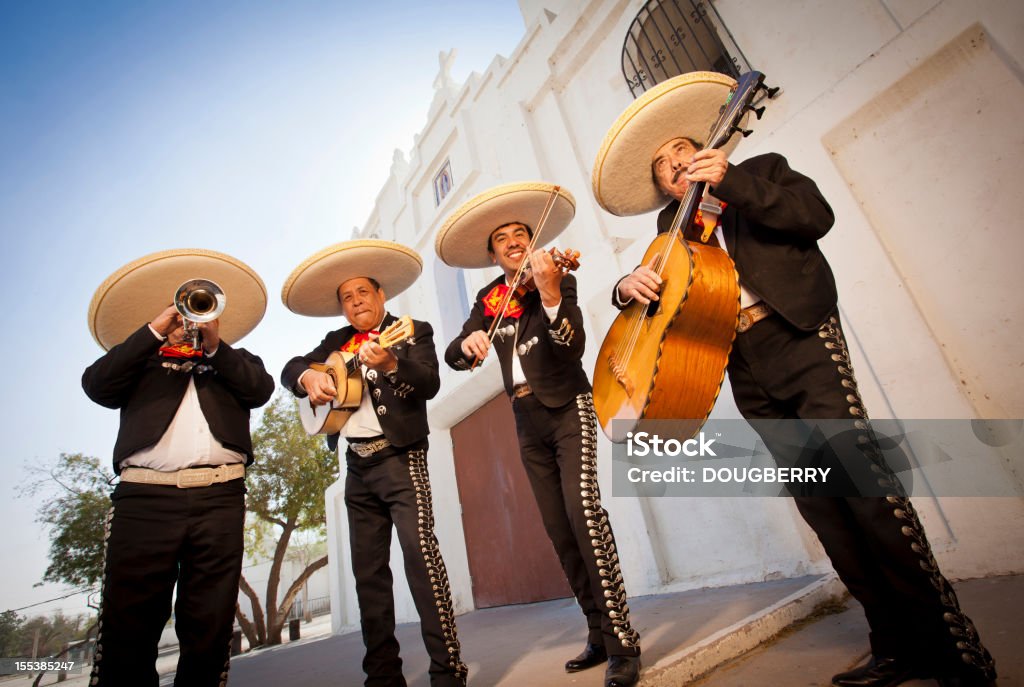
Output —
(672, 37)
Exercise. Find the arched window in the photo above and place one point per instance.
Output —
(442, 182)
(671, 37)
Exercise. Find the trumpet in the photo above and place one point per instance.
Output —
(198, 300)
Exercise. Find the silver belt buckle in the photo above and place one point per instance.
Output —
(198, 477)
(744, 322)
(367, 449)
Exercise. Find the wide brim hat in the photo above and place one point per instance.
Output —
(142, 289)
(312, 287)
(463, 238)
(685, 106)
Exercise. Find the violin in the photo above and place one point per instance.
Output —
(567, 260)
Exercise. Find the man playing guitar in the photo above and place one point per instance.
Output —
(386, 445)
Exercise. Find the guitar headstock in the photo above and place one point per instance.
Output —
(397, 332)
(736, 106)
(567, 260)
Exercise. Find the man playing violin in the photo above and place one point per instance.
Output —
(539, 341)
(386, 484)
(790, 362)
(177, 515)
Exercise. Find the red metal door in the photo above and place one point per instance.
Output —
(511, 558)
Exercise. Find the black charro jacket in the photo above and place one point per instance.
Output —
(552, 357)
(402, 405)
(772, 223)
(131, 377)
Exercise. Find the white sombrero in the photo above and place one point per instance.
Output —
(685, 106)
(312, 287)
(462, 240)
(142, 289)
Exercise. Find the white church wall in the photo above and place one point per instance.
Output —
(541, 113)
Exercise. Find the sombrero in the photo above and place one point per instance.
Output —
(312, 287)
(142, 289)
(685, 106)
(462, 240)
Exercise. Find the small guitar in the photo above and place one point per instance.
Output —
(344, 370)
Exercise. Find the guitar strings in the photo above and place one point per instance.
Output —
(627, 345)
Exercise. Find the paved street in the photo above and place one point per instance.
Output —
(684, 635)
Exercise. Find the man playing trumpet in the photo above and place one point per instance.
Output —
(178, 512)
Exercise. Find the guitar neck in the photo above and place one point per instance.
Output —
(352, 364)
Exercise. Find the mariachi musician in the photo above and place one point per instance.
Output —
(539, 340)
(385, 447)
(790, 361)
(178, 512)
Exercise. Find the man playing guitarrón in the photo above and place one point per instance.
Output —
(539, 344)
(387, 482)
(790, 363)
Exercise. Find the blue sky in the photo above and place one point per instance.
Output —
(260, 129)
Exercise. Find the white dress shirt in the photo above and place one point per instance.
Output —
(187, 442)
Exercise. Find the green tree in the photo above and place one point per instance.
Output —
(286, 491)
(11, 625)
(77, 492)
(42, 636)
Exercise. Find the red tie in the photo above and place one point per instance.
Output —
(492, 302)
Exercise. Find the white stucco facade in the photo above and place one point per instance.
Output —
(907, 116)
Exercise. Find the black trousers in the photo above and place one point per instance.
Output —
(876, 544)
(392, 489)
(558, 447)
(158, 535)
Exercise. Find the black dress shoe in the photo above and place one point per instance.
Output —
(623, 671)
(878, 672)
(593, 655)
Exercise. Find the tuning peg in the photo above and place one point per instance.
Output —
(745, 132)
(770, 92)
(756, 110)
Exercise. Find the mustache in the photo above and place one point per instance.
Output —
(675, 177)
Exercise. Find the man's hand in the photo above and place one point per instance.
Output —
(319, 386)
(642, 285)
(708, 165)
(167, 321)
(376, 358)
(211, 335)
(476, 345)
(547, 277)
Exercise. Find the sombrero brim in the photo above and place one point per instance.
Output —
(312, 287)
(462, 240)
(142, 289)
(685, 106)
